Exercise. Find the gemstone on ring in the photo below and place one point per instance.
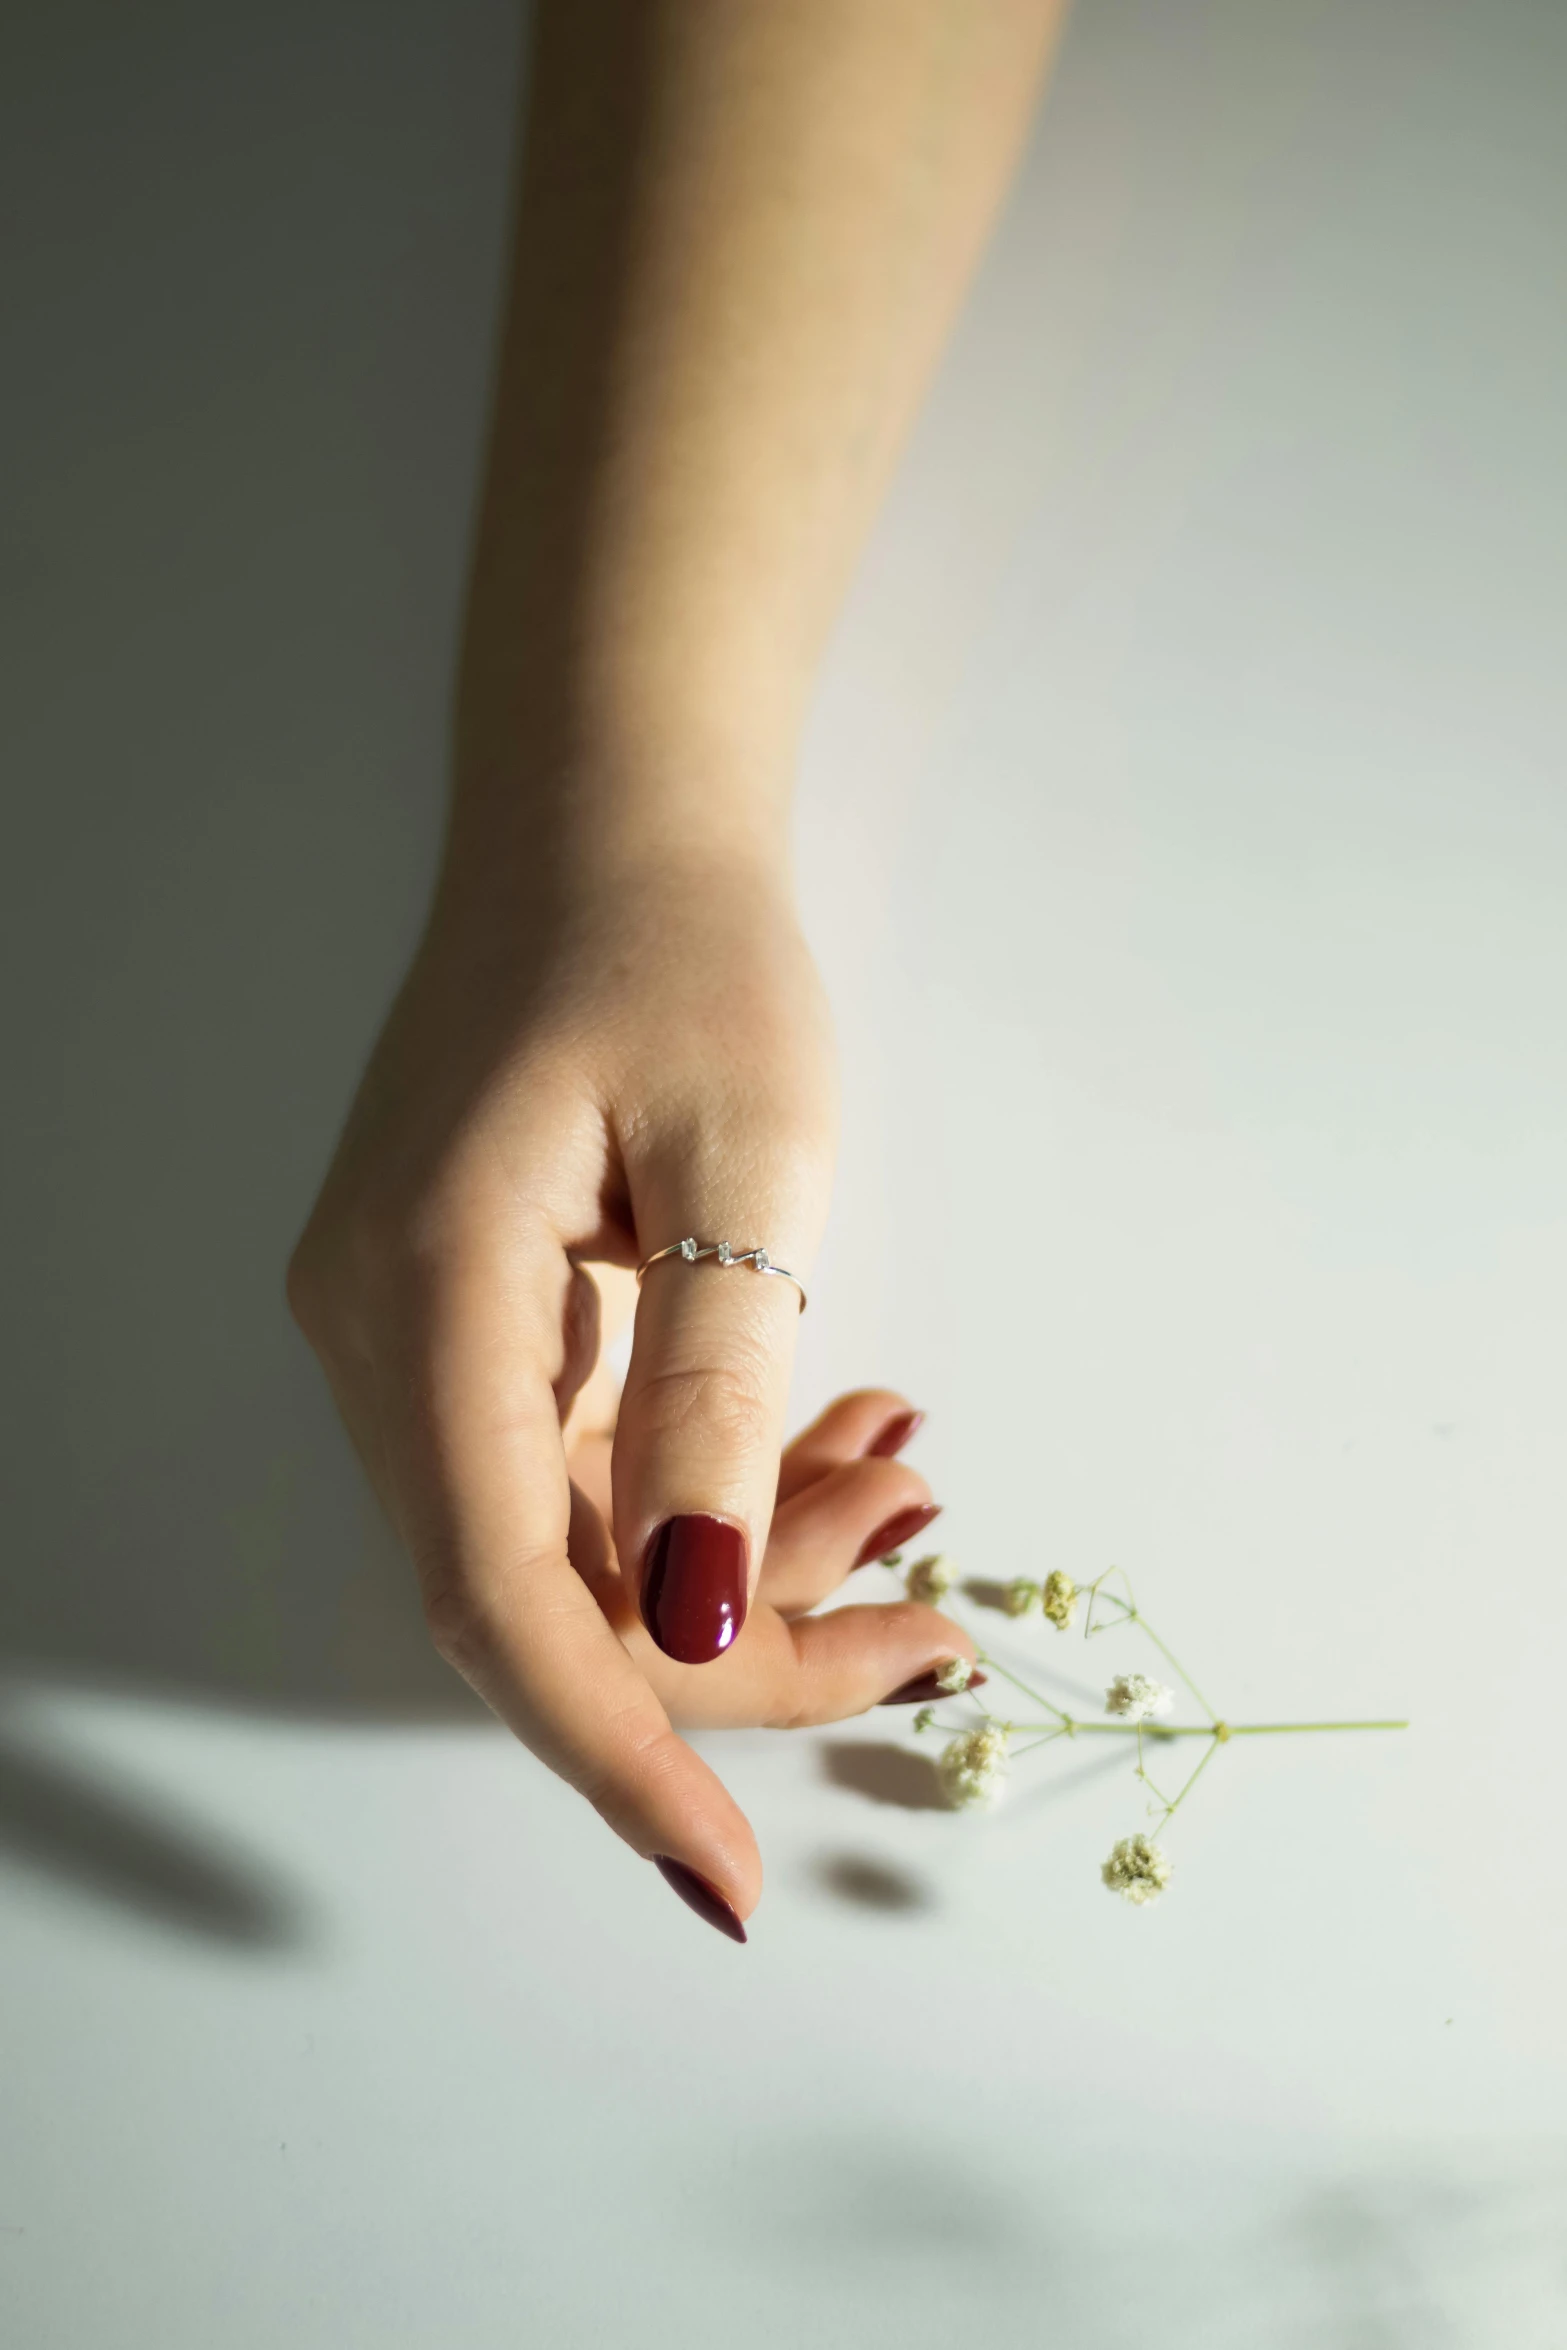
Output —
(692, 1251)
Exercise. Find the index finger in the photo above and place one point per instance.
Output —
(473, 1447)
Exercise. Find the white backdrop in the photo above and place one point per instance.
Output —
(1184, 836)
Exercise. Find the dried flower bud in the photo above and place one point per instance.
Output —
(925, 1719)
(1135, 1698)
(1137, 1869)
(1060, 1600)
(974, 1766)
(1021, 1596)
(930, 1579)
(954, 1675)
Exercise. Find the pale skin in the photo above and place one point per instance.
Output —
(744, 228)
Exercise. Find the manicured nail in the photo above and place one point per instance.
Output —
(894, 1436)
(925, 1688)
(699, 1895)
(897, 1531)
(693, 1587)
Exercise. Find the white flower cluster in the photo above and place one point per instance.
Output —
(1060, 1600)
(1137, 1699)
(930, 1579)
(974, 1766)
(1138, 1870)
(954, 1675)
(1056, 1596)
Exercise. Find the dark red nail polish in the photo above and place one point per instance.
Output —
(693, 1587)
(925, 1688)
(898, 1530)
(699, 1895)
(894, 1436)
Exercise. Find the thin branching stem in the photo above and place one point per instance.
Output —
(1170, 1809)
(1172, 1659)
(990, 1663)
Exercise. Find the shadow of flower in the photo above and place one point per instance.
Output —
(987, 1594)
(872, 1884)
(886, 1774)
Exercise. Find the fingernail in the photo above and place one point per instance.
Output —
(894, 1436)
(925, 1688)
(699, 1895)
(693, 1587)
(897, 1531)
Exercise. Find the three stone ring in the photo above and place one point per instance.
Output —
(693, 1251)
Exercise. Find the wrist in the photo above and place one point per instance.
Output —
(568, 812)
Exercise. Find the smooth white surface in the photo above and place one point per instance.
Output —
(1184, 836)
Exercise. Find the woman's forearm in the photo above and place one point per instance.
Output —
(744, 226)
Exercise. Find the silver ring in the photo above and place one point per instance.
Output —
(693, 1251)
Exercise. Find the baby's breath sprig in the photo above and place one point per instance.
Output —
(1059, 1600)
(930, 1579)
(1137, 1870)
(973, 1764)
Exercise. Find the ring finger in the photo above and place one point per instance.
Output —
(848, 1518)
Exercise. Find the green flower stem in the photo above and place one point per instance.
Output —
(1266, 1729)
(1174, 1661)
(1218, 1731)
(990, 1664)
(1173, 1803)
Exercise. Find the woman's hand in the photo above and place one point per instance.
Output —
(633, 1054)
(741, 232)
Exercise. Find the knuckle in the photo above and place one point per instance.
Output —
(362, 1264)
(377, 1244)
(627, 1772)
(339, 1264)
(782, 1162)
(716, 1403)
(456, 1631)
(802, 1701)
(637, 1759)
(482, 1617)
